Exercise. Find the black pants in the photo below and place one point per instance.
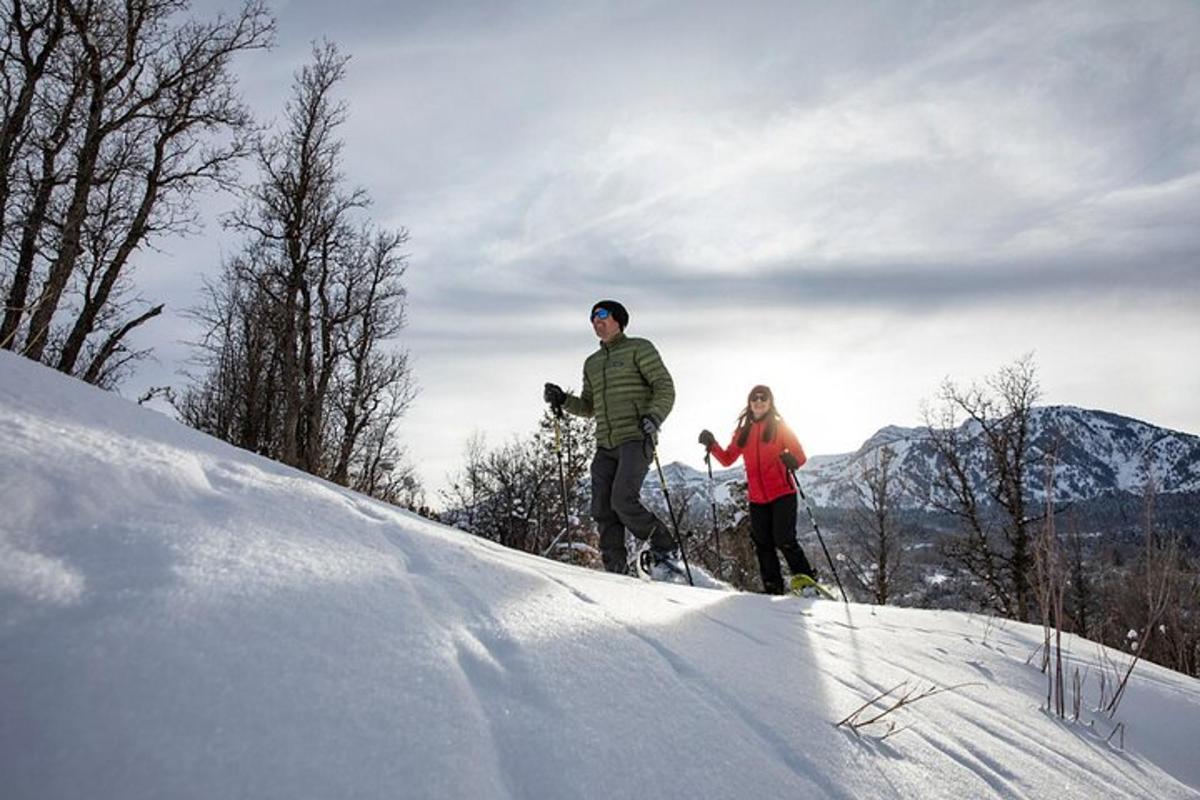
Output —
(617, 476)
(773, 527)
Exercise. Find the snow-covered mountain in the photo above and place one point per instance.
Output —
(183, 619)
(1098, 453)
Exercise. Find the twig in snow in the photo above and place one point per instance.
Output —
(855, 721)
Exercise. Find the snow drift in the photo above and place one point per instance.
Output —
(179, 618)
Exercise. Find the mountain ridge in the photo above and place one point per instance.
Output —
(1098, 453)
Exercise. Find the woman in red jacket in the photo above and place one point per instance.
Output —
(769, 450)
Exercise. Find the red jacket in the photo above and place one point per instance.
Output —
(766, 476)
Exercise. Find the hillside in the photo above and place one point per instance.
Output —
(179, 618)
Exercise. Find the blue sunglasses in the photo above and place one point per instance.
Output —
(600, 313)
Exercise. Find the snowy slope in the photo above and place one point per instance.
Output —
(180, 619)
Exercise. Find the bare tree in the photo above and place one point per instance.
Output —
(874, 546)
(299, 361)
(982, 477)
(720, 546)
(737, 561)
(570, 439)
(1155, 582)
(122, 113)
(512, 494)
(41, 178)
(1081, 580)
(954, 491)
(31, 45)
(502, 495)
(298, 218)
(371, 386)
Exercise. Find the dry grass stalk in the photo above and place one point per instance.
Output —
(856, 722)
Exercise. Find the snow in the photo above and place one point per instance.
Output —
(179, 618)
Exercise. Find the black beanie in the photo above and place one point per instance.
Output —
(616, 309)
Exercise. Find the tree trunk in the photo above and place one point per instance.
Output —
(34, 67)
(95, 370)
(85, 322)
(89, 153)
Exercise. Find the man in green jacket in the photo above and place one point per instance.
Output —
(630, 393)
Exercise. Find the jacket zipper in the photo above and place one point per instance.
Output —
(758, 459)
(607, 418)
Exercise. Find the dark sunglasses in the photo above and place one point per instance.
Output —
(600, 313)
(759, 398)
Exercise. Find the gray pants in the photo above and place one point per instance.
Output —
(617, 476)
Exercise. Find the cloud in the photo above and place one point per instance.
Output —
(1002, 137)
(713, 164)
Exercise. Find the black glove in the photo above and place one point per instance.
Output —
(789, 460)
(649, 426)
(707, 439)
(553, 394)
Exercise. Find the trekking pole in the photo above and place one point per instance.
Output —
(821, 539)
(662, 482)
(712, 499)
(562, 480)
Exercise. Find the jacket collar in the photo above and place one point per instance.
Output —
(620, 337)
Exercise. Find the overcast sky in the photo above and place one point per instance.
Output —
(847, 201)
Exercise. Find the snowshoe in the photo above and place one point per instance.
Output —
(806, 586)
(651, 564)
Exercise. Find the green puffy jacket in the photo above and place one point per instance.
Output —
(623, 381)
